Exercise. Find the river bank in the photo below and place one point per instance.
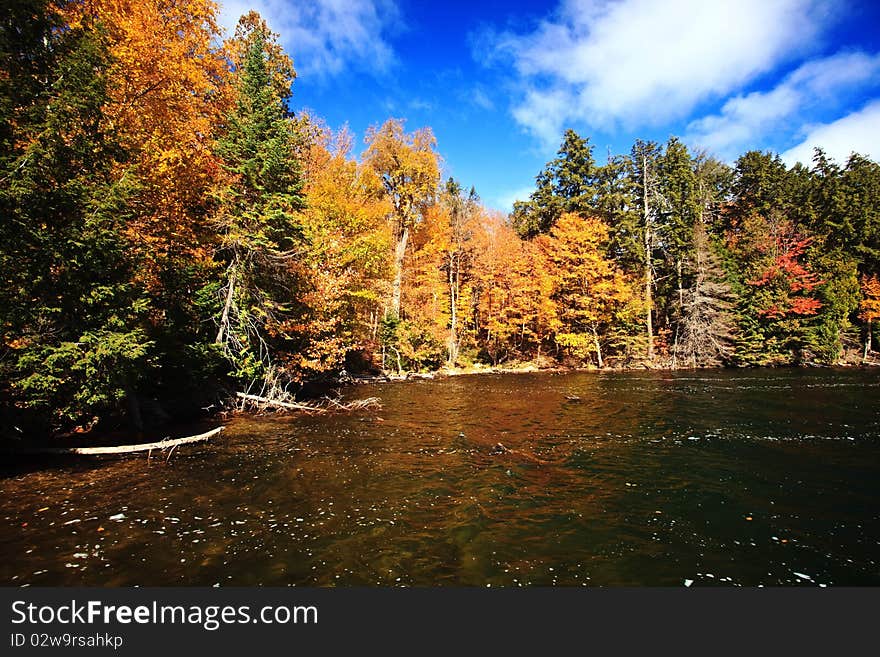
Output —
(531, 367)
(228, 405)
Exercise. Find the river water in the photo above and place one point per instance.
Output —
(749, 477)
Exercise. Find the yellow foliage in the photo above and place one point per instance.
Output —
(870, 305)
(168, 91)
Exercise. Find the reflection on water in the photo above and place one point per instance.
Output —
(739, 478)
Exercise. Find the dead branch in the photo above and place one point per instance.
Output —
(327, 405)
(264, 402)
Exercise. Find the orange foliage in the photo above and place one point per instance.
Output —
(870, 305)
(514, 309)
(346, 264)
(168, 94)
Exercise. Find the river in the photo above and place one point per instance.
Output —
(745, 477)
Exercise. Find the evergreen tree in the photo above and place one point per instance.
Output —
(569, 183)
(257, 218)
(74, 346)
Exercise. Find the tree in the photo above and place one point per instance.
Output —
(408, 166)
(590, 290)
(678, 190)
(568, 183)
(515, 314)
(779, 294)
(257, 218)
(846, 207)
(869, 308)
(707, 326)
(346, 253)
(73, 345)
(463, 212)
(168, 93)
(644, 178)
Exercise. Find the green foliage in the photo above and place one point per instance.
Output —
(840, 295)
(72, 320)
(257, 209)
(75, 381)
(569, 183)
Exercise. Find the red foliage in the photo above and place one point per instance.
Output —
(787, 276)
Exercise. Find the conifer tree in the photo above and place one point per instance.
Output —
(256, 217)
(73, 342)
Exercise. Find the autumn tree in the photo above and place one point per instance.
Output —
(346, 253)
(869, 308)
(463, 213)
(592, 293)
(168, 95)
(779, 293)
(514, 313)
(408, 166)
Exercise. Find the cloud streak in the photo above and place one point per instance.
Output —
(608, 63)
(327, 37)
(745, 120)
(857, 132)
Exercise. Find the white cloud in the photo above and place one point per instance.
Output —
(639, 62)
(745, 119)
(858, 132)
(326, 37)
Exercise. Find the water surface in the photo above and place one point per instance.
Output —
(757, 477)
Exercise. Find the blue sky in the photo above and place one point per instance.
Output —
(499, 82)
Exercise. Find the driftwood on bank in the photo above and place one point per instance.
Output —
(274, 403)
(122, 449)
(324, 407)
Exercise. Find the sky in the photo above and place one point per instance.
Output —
(499, 82)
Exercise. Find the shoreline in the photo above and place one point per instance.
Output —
(226, 412)
(531, 368)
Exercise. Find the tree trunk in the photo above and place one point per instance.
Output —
(649, 283)
(399, 254)
(680, 288)
(453, 322)
(224, 318)
(598, 349)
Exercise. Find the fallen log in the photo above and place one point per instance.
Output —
(121, 449)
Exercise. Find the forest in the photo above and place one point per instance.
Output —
(173, 231)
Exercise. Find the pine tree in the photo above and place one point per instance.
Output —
(74, 346)
(568, 183)
(257, 218)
